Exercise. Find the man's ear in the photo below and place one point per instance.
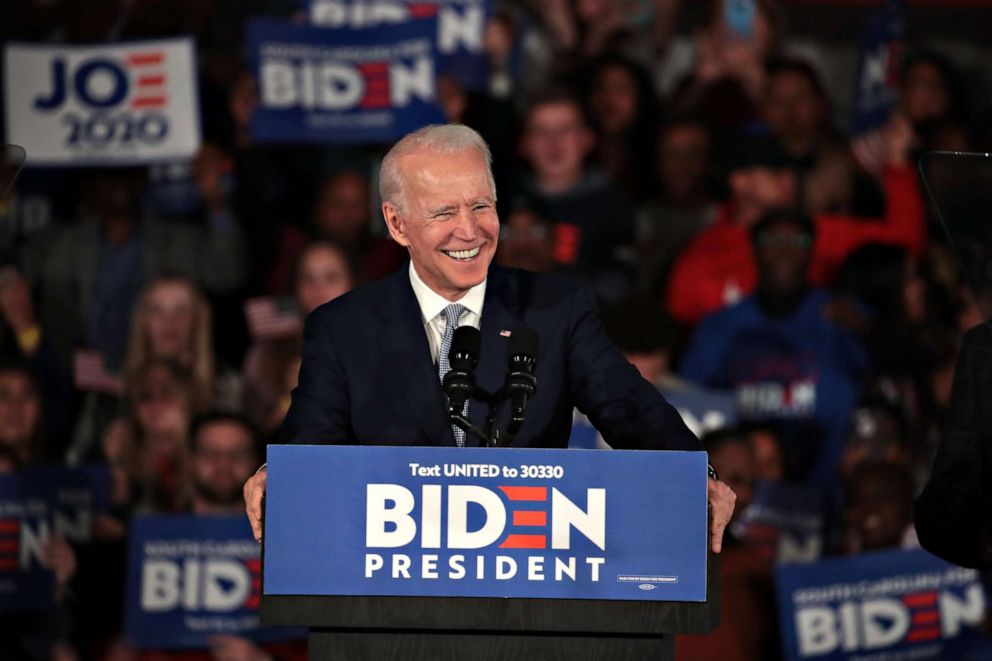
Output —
(395, 223)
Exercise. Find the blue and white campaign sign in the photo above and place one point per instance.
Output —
(342, 86)
(461, 26)
(34, 504)
(482, 522)
(193, 577)
(882, 605)
(130, 103)
(785, 521)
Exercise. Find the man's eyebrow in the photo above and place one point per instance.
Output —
(442, 209)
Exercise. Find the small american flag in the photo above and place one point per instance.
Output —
(271, 317)
(90, 374)
(505, 333)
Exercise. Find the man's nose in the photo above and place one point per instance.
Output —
(467, 226)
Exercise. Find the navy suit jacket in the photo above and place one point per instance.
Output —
(367, 375)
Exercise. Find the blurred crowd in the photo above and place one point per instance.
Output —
(743, 260)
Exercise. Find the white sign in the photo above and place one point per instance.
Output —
(132, 103)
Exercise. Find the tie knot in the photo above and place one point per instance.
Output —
(452, 314)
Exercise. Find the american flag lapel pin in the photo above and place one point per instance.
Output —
(505, 333)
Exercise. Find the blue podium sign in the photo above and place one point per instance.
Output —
(481, 522)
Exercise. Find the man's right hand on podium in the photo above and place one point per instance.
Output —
(254, 492)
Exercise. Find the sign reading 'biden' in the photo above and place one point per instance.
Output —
(481, 522)
(882, 605)
(461, 26)
(193, 577)
(129, 103)
(341, 85)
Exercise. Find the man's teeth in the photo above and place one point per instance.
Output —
(462, 254)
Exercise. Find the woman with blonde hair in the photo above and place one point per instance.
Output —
(172, 321)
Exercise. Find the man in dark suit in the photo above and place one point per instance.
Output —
(953, 517)
(369, 371)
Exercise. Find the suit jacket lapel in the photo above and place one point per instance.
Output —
(406, 336)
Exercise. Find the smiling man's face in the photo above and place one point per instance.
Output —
(450, 225)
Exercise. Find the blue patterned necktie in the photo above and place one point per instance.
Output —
(452, 315)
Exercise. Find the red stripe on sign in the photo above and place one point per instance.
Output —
(525, 518)
(422, 10)
(926, 617)
(252, 602)
(8, 545)
(372, 68)
(7, 564)
(931, 633)
(524, 542)
(920, 600)
(149, 102)
(150, 81)
(376, 85)
(374, 102)
(525, 493)
(145, 59)
(9, 525)
(254, 566)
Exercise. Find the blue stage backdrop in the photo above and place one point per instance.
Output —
(480, 522)
(343, 85)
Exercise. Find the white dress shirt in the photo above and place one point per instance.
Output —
(432, 306)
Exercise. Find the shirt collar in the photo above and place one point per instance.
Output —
(431, 303)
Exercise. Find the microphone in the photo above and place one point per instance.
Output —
(459, 382)
(520, 381)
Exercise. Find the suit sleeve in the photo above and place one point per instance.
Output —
(627, 410)
(952, 513)
(321, 405)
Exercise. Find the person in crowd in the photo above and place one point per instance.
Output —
(624, 112)
(718, 266)
(593, 218)
(767, 448)
(649, 340)
(89, 274)
(46, 634)
(172, 321)
(342, 213)
(684, 205)
(323, 273)
(879, 434)
(878, 508)
(788, 364)
(21, 421)
(747, 621)
(930, 94)
(728, 80)
(797, 110)
(161, 395)
(526, 239)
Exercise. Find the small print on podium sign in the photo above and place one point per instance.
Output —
(480, 522)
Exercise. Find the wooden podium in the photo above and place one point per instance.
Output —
(478, 627)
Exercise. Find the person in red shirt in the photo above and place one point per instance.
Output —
(717, 267)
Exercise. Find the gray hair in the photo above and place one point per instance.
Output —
(440, 139)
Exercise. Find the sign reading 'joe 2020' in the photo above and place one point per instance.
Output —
(480, 522)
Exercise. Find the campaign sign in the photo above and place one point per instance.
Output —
(882, 605)
(483, 522)
(25, 525)
(344, 86)
(785, 521)
(193, 577)
(461, 26)
(131, 103)
(34, 504)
